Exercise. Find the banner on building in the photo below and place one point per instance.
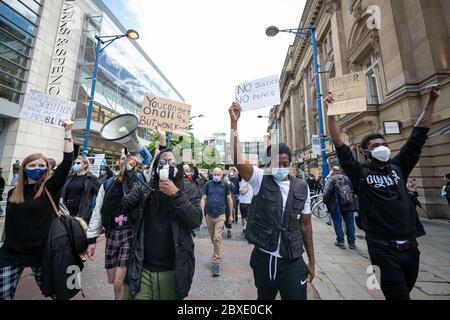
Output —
(316, 147)
(260, 93)
(349, 94)
(46, 109)
(168, 115)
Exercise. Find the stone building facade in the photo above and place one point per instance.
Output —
(403, 46)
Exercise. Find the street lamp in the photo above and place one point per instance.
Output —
(301, 33)
(277, 131)
(101, 40)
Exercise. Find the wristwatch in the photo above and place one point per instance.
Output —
(68, 139)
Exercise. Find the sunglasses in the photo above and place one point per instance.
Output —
(170, 162)
(78, 162)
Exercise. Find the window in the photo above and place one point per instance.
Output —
(18, 26)
(374, 90)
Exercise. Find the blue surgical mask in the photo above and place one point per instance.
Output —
(35, 174)
(280, 174)
(217, 178)
(76, 168)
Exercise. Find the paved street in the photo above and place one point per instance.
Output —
(340, 274)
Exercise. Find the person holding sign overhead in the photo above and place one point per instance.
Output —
(388, 215)
(30, 215)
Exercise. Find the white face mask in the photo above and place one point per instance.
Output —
(381, 153)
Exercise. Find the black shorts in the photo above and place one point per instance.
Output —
(244, 210)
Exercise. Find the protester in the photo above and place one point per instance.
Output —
(29, 216)
(446, 189)
(312, 184)
(2, 189)
(80, 190)
(16, 170)
(338, 197)
(228, 224)
(245, 200)
(117, 224)
(279, 222)
(388, 216)
(215, 203)
(161, 264)
(234, 180)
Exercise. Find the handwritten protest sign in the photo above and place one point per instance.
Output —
(96, 164)
(258, 93)
(349, 93)
(168, 115)
(46, 109)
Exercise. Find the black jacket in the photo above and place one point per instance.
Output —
(87, 203)
(387, 211)
(186, 215)
(61, 260)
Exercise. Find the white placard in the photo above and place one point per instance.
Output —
(315, 144)
(260, 93)
(43, 108)
(95, 167)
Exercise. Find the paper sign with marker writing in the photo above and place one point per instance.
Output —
(260, 93)
(168, 115)
(349, 93)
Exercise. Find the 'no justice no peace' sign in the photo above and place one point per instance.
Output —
(260, 93)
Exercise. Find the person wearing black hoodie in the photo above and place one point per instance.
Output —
(388, 214)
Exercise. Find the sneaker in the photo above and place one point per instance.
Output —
(352, 246)
(229, 234)
(215, 270)
(340, 245)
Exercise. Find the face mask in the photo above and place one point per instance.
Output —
(35, 174)
(167, 172)
(217, 178)
(280, 174)
(130, 167)
(76, 168)
(381, 153)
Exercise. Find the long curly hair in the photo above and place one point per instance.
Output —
(157, 198)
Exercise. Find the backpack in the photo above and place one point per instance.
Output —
(345, 192)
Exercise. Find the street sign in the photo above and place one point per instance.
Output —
(316, 147)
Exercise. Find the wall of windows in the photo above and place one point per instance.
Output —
(19, 21)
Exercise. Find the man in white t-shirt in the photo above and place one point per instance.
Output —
(245, 199)
(279, 222)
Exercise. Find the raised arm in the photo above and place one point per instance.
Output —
(246, 170)
(332, 124)
(426, 119)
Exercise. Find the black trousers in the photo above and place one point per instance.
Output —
(273, 275)
(399, 269)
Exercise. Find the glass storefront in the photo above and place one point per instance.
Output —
(18, 27)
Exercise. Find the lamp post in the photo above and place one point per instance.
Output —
(301, 32)
(277, 130)
(101, 40)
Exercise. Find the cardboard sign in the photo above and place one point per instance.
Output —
(260, 93)
(349, 94)
(168, 115)
(46, 109)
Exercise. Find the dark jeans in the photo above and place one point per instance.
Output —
(272, 275)
(236, 208)
(349, 220)
(399, 269)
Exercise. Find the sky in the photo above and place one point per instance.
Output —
(205, 48)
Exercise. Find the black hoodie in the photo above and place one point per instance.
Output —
(387, 211)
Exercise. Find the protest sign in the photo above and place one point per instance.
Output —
(46, 109)
(349, 94)
(316, 146)
(204, 172)
(260, 93)
(98, 160)
(168, 115)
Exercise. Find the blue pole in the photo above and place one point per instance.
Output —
(91, 98)
(325, 169)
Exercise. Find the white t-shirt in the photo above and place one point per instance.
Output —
(256, 181)
(246, 198)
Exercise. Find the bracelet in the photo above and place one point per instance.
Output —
(68, 139)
